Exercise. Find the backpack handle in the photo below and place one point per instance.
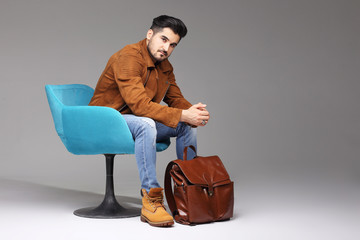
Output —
(185, 152)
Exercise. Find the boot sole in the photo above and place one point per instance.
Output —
(157, 224)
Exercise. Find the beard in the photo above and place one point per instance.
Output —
(158, 55)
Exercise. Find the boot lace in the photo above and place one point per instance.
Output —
(157, 202)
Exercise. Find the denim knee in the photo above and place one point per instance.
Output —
(148, 122)
(184, 128)
(148, 127)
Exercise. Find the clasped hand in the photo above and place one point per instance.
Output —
(196, 115)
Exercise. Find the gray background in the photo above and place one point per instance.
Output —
(280, 78)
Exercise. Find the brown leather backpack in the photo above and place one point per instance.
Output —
(203, 191)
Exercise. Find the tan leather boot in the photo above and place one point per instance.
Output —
(153, 209)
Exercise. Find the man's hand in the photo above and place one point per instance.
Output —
(196, 115)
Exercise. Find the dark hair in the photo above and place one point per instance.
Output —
(174, 24)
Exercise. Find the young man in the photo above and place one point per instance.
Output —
(136, 79)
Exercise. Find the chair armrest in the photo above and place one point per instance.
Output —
(95, 130)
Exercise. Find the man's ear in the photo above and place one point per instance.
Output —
(149, 34)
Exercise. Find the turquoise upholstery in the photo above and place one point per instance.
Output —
(89, 129)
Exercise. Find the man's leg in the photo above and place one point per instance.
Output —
(185, 136)
(144, 131)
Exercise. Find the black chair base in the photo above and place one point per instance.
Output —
(109, 208)
(116, 212)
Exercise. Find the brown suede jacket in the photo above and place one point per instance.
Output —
(131, 83)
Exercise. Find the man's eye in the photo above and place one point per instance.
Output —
(164, 39)
(173, 45)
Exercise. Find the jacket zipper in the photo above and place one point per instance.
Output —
(166, 91)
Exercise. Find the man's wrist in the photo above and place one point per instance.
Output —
(183, 116)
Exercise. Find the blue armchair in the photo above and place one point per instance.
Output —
(89, 130)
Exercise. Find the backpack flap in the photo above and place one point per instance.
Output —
(204, 171)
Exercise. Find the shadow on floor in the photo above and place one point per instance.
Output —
(25, 193)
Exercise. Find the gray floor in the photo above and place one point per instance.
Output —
(263, 210)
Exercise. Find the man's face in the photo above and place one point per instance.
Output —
(161, 44)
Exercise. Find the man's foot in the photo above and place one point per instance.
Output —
(153, 210)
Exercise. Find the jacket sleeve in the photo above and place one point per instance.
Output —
(128, 71)
(174, 97)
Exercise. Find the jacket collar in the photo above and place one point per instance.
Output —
(164, 66)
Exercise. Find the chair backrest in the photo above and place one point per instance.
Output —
(66, 95)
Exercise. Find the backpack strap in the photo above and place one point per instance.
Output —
(167, 182)
(168, 190)
(170, 196)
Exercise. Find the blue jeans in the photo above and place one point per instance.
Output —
(146, 132)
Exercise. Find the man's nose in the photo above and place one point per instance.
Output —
(166, 46)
